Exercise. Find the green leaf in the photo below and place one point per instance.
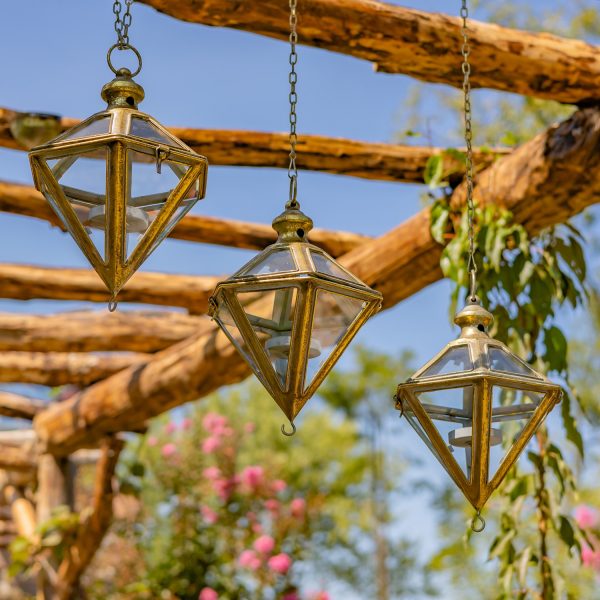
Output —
(567, 532)
(570, 424)
(434, 171)
(556, 349)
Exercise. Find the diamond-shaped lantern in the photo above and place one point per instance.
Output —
(291, 311)
(119, 181)
(476, 405)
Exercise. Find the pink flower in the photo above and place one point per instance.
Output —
(209, 515)
(170, 427)
(280, 563)
(272, 505)
(249, 560)
(211, 473)
(319, 596)
(208, 594)
(152, 440)
(224, 487)
(297, 507)
(291, 596)
(590, 558)
(250, 427)
(186, 423)
(257, 528)
(264, 544)
(214, 423)
(210, 444)
(279, 485)
(253, 476)
(226, 432)
(168, 450)
(586, 517)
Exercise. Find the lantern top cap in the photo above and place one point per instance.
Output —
(122, 91)
(473, 319)
(292, 225)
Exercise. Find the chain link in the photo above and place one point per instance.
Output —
(293, 99)
(122, 24)
(466, 70)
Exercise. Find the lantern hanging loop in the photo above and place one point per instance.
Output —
(293, 100)
(478, 522)
(468, 134)
(289, 433)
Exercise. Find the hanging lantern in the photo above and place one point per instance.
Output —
(476, 405)
(31, 129)
(119, 181)
(291, 311)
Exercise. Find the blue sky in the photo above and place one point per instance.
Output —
(202, 77)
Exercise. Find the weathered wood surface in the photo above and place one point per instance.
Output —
(399, 263)
(416, 43)
(93, 331)
(91, 532)
(13, 458)
(22, 510)
(23, 282)
(340, 156)
(63, 368)
(19, 407)
(27, 201)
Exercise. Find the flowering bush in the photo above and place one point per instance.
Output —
(231, 505)
(589, 520)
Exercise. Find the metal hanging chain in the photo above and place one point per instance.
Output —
(293, 99)
(466, 69)
(122, 24)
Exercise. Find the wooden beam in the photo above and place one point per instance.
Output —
(23, 511)
(92, 531)
(13, 458)
(400, 262)
(93, 331)
(19, 407)
(22, 282)
(416, 43)
(239, 148)
(27, 201)
(62, 368)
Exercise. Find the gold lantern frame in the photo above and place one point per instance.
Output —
(292, 227)
(481, 377)
(122, 95)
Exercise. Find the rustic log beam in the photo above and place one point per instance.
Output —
(13, 458)
(63, 368)
(22, 282)
(27, 201)
(19, 407)
(400, 262)
(91, 532)
(94, 331)
(23, 511)
(416, 43)
(239, 148)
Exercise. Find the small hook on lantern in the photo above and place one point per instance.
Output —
(478, 523)
(289, 434)
(112, 304)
